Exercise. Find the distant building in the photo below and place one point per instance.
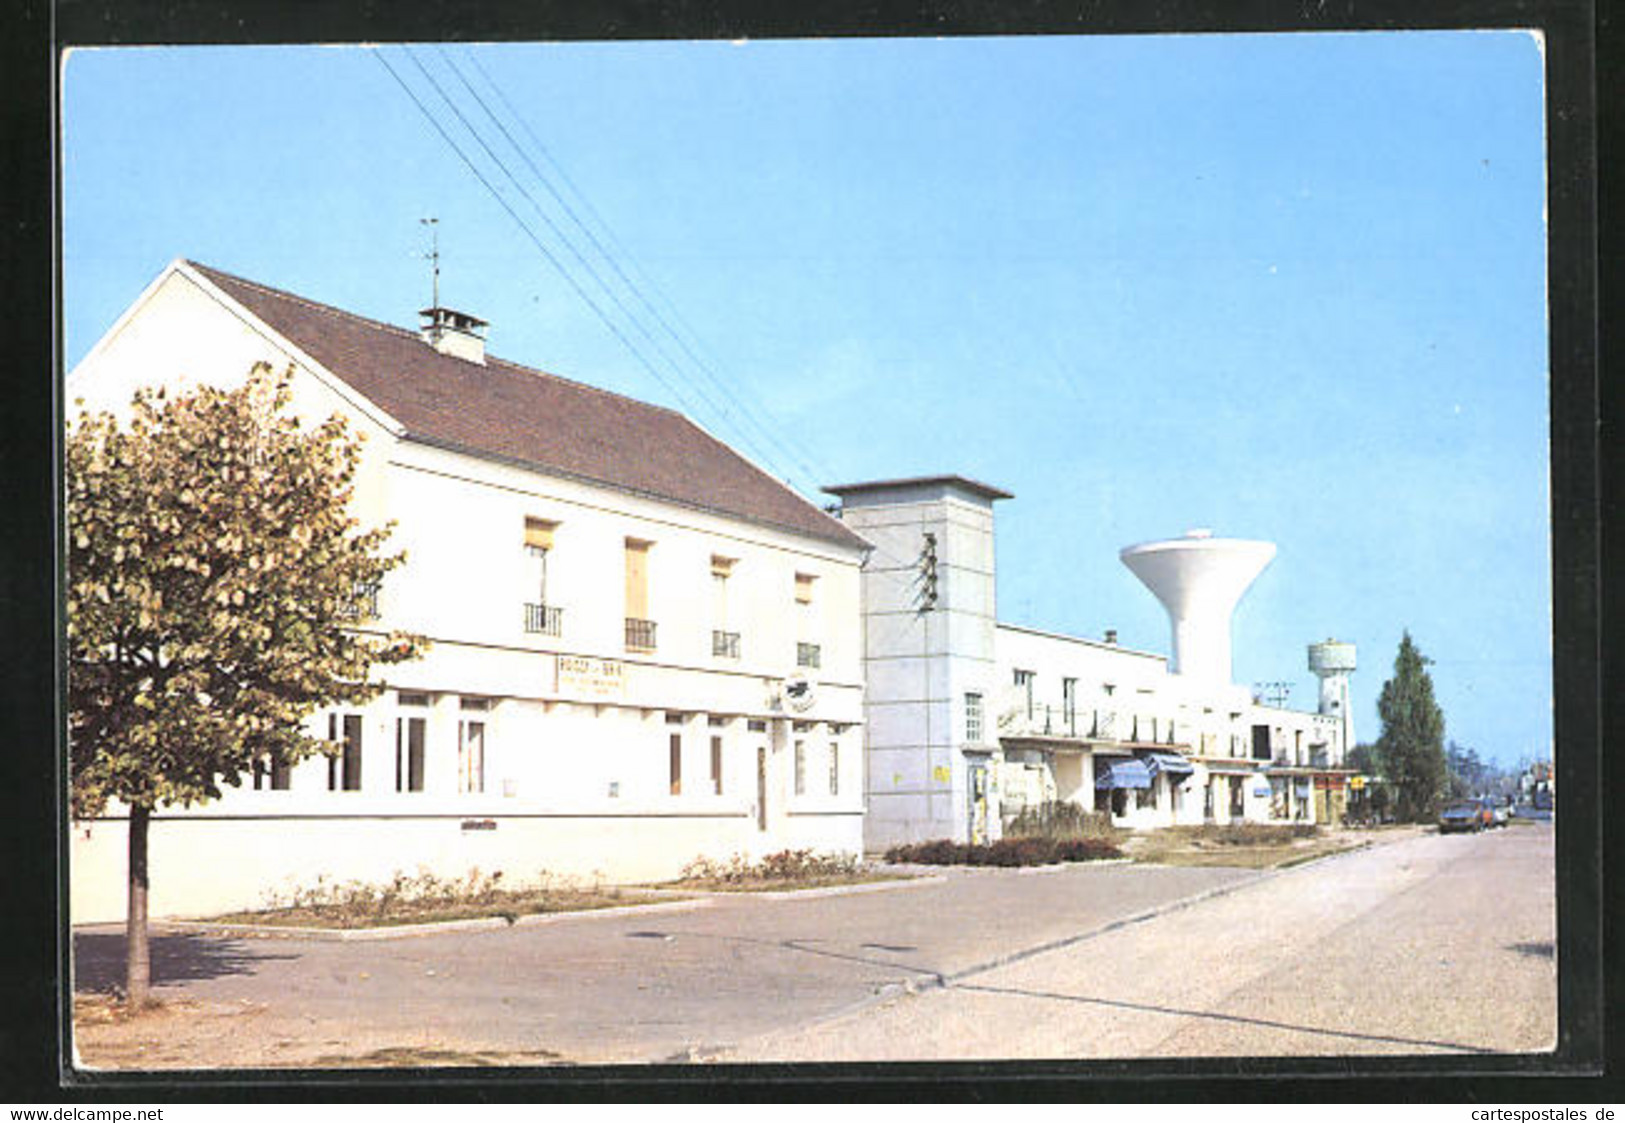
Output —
(972, 720)
(644, 648)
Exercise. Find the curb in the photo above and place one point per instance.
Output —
(824, 890)
(408, 931)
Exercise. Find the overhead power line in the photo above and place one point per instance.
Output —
(783, 438)
(575, 252)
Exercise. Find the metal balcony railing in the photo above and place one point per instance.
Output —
(725, 645)
(544, 619)
(640, 634)
(808, 655)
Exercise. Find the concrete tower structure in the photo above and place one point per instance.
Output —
(1199, 579)
(928, 623)
(1332, 662)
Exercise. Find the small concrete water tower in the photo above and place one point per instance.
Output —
(1199, 579)
(1332, 663)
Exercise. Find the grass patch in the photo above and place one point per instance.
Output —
(1028, 851)
(425, 898)
(787, 869)
(1244, 845)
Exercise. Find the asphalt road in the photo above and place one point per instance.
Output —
(1436, 945)
(1088, 961)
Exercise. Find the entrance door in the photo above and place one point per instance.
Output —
(761, 787)
(1238, 806)
(976, 790)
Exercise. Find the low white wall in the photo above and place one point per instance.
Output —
(201, 867)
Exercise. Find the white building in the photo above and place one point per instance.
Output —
(971, 720)
(643, 648)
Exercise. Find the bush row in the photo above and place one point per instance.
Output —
(785, 866)
(1032, 851)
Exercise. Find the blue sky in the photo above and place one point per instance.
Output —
(1283, 286)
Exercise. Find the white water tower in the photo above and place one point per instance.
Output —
(1199, 579)
(1332, 663)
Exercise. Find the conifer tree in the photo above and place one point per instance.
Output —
(1411, 748)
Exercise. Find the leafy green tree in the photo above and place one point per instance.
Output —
(1371, 800)
(215, 584)
(1363, 758)
(1467, 774)
(1411, 747)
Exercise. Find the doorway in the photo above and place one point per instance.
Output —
(976, 790)
(761, 787)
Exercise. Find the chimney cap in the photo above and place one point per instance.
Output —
(451, 318)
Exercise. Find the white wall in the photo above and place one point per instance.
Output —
(554, 746)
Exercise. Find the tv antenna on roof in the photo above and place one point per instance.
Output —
(434, 256)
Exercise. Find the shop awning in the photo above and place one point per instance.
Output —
(1122, 774)
(1175, 765)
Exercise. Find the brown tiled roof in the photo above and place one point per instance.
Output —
(510, 412)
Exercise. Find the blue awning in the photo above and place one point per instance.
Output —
(1122, 774)
(1177, 767)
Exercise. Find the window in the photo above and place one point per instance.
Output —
(724, 642)
(674, 764)
(756, 726)
(1145, 797)
(271, 771)
(640, 630)
(801, 768)
(470, 754)
(1069, 703)
(541, 615)
(409, 736)
(973, 718)
(716, 765)
(807, 651)
(834, 768)
(344, 770)
(1024, 687)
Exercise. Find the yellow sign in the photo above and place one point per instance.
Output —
(1356, 782)
(594, 678)
(941, 774)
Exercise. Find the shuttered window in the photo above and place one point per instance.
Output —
(637, 579)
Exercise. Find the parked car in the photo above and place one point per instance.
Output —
(1465, 815)
(1500, 811)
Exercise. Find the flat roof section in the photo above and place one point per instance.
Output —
(976, 487)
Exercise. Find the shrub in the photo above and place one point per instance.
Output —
(1020, 851)
(785, 866)
(1059, 819)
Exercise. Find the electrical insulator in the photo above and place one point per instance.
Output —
(928, 572)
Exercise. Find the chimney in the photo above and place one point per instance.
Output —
(1111, 635)
(454, 333)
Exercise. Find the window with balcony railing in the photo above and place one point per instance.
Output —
(544, 619)
(640, 634)
(808, 655)
(725, 645)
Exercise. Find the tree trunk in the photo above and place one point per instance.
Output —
(138, 976)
